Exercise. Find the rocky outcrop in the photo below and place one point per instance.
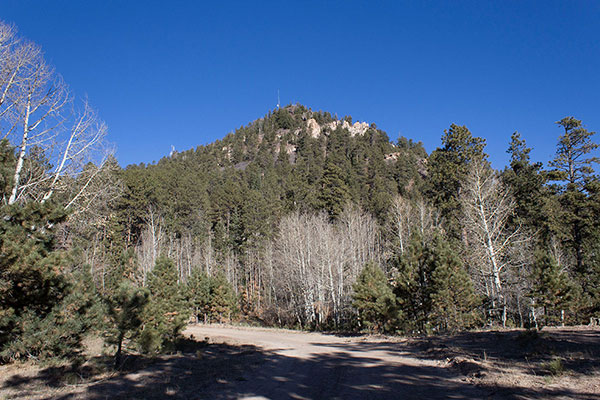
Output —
(392, 157)
(358, 128)
(290, 148)
(313, 128)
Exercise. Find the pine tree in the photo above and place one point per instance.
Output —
(167, 312)
(453, 299)
(284, 119)
(198, 294)
(433, 288)
(413, 285)
(125, 306)
(334, 191)
(589, 278)
(44, 307)
(573, 164)
(123, 269)
(553, 289)
(7, 165)
(526, 181)
(374, 300)
(448, 167)
(223, 302)
(573, 169)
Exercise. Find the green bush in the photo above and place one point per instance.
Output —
(554, 367)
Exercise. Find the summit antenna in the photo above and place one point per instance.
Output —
(278, 103)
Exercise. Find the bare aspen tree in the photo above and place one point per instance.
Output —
(40, 102)
(362, 234)
(91, 215)
(206, 255)
(315, 263)
(359, 243)
(407, 217)
(152, 240)
(487, 206)
(8, 75)
(400, 223)
(296, 264)
(38, 116)
(92, 190)
(84, 137)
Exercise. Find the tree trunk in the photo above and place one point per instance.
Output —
(118, 353)
(17, 177)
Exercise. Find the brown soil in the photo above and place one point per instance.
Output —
(262, 363)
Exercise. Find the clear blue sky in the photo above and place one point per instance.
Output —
(165, 73)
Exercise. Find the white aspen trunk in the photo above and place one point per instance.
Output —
(17, 177)
(61, 165)
(533, 316)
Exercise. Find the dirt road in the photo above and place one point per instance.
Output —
(316, 366)
(259, 363)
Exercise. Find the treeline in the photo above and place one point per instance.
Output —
(299, 219)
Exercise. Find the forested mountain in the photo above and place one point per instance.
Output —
(298, 219)
(292, 159)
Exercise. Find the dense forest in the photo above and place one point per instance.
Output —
(300, 219)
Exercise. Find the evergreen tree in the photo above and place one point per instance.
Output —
(58, 333)
(453, 299)
(409, 168)
(552, 289)
(433, 288)
(44, 307)
(284, 119)
(223, 303)
(590, 282)
(125, 306)
(413, 285)
(577, 192)
(573, 164)
(124, 268)
(374, 299)
(7, 162)
(198, 294)
(334, 191)
(589, 277)
(167, 311)
(448, 168)
(526, 181)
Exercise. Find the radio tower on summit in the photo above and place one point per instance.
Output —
(278, 104)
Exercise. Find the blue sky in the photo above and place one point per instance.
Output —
(178, 73)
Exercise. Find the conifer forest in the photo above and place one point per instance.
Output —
(300, 219)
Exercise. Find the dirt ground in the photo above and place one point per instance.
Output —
(224, 362)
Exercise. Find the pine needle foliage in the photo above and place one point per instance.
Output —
(125, 307)
(167, 312)
(44, 307)
(374, 300)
